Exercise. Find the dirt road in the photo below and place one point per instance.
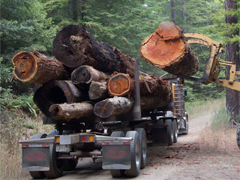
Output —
(189, 159)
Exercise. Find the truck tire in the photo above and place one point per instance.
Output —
(143, 145)
(38, 174)
(175, 129)
(170, 131)
(184, 131)
(56, 165)
(120, 172)
(135, 153)
(238, 136)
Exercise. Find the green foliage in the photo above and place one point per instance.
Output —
(32, 24)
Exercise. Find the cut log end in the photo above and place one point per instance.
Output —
(119, 85)
(167, 49)
(103, 109)
(162, 53)
(25, 65)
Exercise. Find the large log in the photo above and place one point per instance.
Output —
(112, 107)
(98, 90)
(153, 102)
(56, 92)
(122, 84)
(86, 74)
(71, 111)
(34, 67)
(167, 49)
(74, 47)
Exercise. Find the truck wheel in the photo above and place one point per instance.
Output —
(238, 136)
(170, 131)
(38, 174)
(143, 145)
(175, 129)
(120, 172)
(185, 129)
(56, 165)
(135, 153)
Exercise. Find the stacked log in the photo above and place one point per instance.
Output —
(102, 77)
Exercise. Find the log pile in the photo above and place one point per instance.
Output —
(91, 78)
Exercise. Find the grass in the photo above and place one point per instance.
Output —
(14, 126)
(199, 108)
(220, 136)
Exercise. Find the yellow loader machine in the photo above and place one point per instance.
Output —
(214, 65)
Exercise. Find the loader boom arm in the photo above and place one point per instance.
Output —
(214, 64)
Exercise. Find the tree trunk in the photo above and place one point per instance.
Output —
(56, 92)
(71, 111)
(74, 47)
(153, 102)
(34, 67)
(173, 12)
(86, 74)
(75, 10)
(98, 90)
(112, 107)
(167, 49)
(121, 84)
(232, 55)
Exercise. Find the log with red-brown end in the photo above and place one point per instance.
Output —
(34, 67)
(167, 49)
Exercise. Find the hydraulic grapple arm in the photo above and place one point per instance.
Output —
(214, 64)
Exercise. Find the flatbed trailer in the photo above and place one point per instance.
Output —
(122, 145)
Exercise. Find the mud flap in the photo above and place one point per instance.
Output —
(116, 156)
(160, 136)
(35, 158)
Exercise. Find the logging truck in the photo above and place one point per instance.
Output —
(122, 145)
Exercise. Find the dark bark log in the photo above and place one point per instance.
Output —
(232, 55)
(112, 107)
(153, 102)
(121, 84)
(34, 67)
(56, 92)
(98, 90)
(86, 74)
(167, 49)
(71, 111)
(74, 47)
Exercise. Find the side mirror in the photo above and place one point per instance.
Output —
(184, 92)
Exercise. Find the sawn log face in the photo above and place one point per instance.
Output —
(167, 49)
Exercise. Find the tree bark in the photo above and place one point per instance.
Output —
(98, 90)
(121, 84)
(71, 111)
(34, 67)
(56, 92)
(74, 47)
(86, 74)
(173, 12)
(232, 55)
(112, 107)
(167, 49)
(153, 102)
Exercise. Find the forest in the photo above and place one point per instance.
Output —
(33, 24)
